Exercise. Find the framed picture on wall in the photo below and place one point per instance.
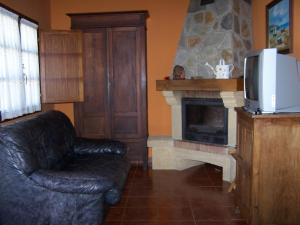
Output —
(279, 25)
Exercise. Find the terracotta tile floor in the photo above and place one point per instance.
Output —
(196, 196)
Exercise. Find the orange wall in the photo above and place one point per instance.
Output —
(164, 27)
(163, 32)
(35, 9)
(259, 25)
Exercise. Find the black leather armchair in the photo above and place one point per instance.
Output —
(48, 176)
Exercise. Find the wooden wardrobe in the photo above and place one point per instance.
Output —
(115, 82)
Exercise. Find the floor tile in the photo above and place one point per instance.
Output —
(212, 197)
(213, 223)
(143, 192)
(148, 202)
(160, 223)
(212, 213)
(135, 223)
(195, 196)
(175, 214)
(173, 202)
(113, 223)
(238, 223)
(115, 214)
(198, 182)
(141, 214)
(175, 223)
(122, 202)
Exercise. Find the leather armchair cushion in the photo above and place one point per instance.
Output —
(71, 181)
(87, 174)
(39, 143)
(98, 146)
(112, 167)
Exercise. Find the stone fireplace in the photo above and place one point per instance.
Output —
(218, 29)
(177, 153)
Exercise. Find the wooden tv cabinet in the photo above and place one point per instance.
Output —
(268, 168)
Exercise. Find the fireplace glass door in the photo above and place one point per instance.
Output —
(204, 120)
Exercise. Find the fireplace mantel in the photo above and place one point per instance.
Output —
(235, 84)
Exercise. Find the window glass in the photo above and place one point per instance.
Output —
(30, 64)
(19, 68)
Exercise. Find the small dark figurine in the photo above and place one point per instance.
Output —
(178, 73)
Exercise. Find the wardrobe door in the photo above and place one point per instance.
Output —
(92, 117)
(127, 85)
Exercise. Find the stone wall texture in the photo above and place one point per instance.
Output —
(218, 30)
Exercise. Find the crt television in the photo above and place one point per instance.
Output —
(271, 82)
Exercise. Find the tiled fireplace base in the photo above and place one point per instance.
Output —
(179, 155)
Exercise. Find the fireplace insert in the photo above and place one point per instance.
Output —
(204, 120)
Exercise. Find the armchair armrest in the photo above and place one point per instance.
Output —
(99, 146)
(71, 182)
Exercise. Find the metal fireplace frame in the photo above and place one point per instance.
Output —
(204, 137)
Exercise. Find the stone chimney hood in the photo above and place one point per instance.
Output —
(214, 30)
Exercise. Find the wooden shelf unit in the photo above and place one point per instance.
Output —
(268, 167)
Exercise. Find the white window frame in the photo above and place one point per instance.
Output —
(20, 92)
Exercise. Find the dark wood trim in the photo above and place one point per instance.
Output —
(108, 19)
(110, 13)
(200, 85)
(293, 115)
(20, 14)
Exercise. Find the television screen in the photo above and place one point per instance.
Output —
(251, 77)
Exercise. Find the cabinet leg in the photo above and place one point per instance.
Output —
(145, 160)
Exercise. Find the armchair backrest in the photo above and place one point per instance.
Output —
(40, 142)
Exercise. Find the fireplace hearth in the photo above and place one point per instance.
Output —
(204, 120)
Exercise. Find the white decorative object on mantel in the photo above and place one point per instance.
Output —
(222, 71)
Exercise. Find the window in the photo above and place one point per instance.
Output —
(19, 66)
